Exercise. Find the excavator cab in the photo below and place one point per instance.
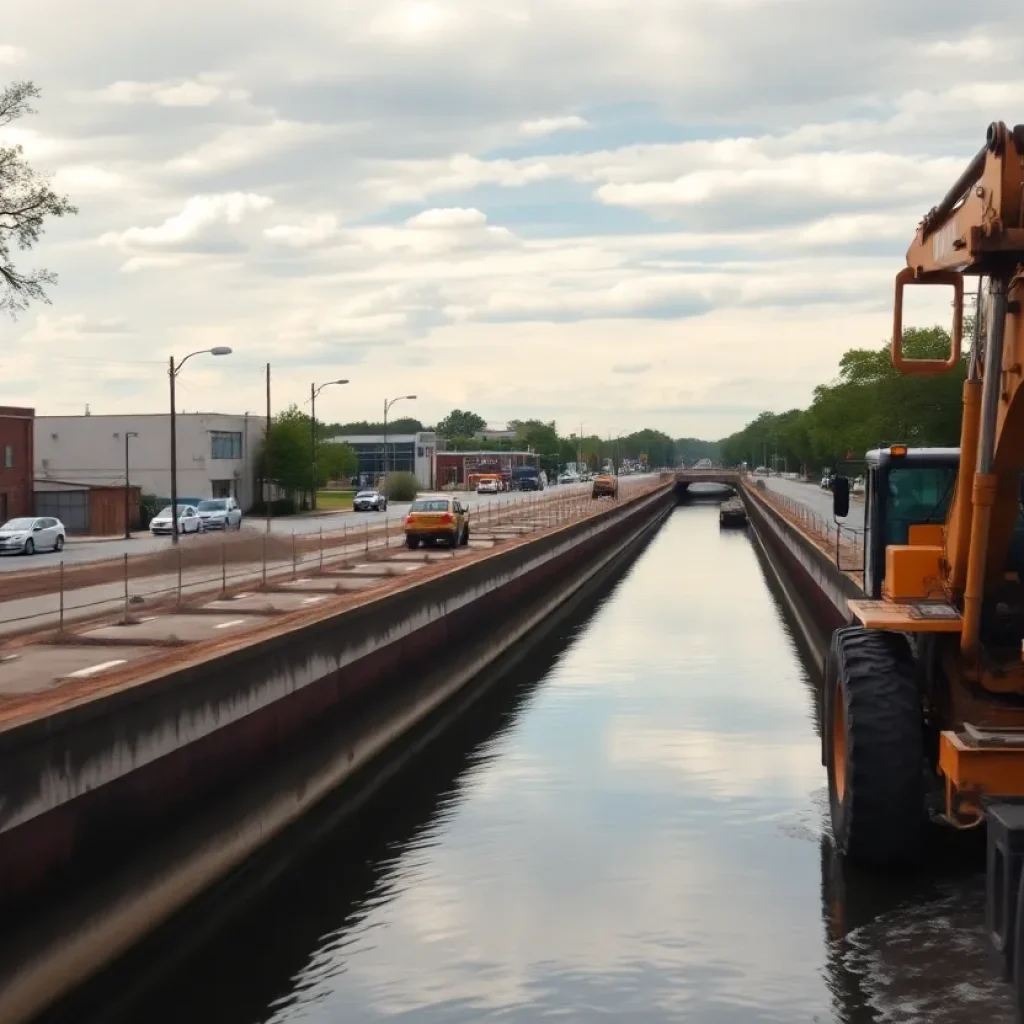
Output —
(904, 488)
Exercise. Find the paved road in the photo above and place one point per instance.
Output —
(82, 552)
(817, 500)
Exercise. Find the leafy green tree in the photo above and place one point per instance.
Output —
(335, 462)
(404, 425)
(460, 424)
(26, 200)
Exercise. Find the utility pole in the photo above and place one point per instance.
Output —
(127, 487)
(266, 456)
(174, 461)
(387, 405)
(313, 392)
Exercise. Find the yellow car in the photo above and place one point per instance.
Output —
(605, 486)
(437, 518)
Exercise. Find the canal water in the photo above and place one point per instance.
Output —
(630, 826)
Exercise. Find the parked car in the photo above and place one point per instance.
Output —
(220, 514)
(826, 480)
(28, 535)
(437, 518)
(489, 485)
(188, 521)
(369, 501)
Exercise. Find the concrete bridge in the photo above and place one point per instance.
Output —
(725, 477)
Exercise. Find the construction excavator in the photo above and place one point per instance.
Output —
(923, 705)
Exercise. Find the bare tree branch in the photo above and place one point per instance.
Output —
(26, 200)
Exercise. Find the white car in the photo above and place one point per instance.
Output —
(487, 486)
(29, 535)
(220, 514)
(188, 521)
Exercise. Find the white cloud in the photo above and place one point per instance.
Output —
(199, 213)
(11, 54)
(549, 125)
(198, 92)
(241, 144)
(314, 231)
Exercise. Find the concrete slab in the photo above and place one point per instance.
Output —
(388, 568)
(420, 556)
(481, 542)
(157, 628)
(271, 601)
(333, 583)
(44, 666)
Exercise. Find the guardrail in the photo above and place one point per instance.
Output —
(190, 569)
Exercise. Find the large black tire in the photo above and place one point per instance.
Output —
(874, 746)
(412, 543)
(30, 547)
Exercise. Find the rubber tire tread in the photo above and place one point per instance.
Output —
(880, 822)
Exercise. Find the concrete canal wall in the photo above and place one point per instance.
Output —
(84, 784)
(816, 589)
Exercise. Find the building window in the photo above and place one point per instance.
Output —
(419, 452)
(9, 457)
(225, 444)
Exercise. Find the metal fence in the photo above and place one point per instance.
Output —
(844, 543)
(203, 567)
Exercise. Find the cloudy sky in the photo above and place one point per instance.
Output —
(623, 213)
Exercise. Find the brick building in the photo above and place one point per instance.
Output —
(16, 465)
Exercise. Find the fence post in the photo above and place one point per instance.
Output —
(295, 560)
(60, 626)
(321, 549)
(224, 566)
(126, 586)
(264, 560)
(179, 574)
(367, 525)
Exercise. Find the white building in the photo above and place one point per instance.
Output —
(411, 453)
(216, 455)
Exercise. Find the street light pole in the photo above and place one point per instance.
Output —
(217, 350)
(127, 486)
(313, 392)
(387, 405)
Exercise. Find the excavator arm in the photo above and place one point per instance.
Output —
(978, 228)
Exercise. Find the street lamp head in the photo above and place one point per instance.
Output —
(339, 381)
(220, 350)
(410, 396)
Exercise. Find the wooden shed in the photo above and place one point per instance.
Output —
(87, 509)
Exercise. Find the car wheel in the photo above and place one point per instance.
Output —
(30, 547)
(59, 544)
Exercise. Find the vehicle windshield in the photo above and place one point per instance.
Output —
(211, 505)
(18, 524)
(435, 505)
(166, 513)
(917, 494)
(367, 494)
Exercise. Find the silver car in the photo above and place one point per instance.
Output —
(29, 535)
(220, 514)
(369, 501)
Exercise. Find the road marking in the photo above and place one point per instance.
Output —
(146, 618)
(101, 667)
(233, 622)
(313, 600)
(4, 658)
(239, 597)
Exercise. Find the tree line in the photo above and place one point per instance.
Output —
(869, 404)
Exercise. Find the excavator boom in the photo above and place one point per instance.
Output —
(978, 228)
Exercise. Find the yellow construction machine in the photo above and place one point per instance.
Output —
(923, 710)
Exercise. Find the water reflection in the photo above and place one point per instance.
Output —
(633, 830)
